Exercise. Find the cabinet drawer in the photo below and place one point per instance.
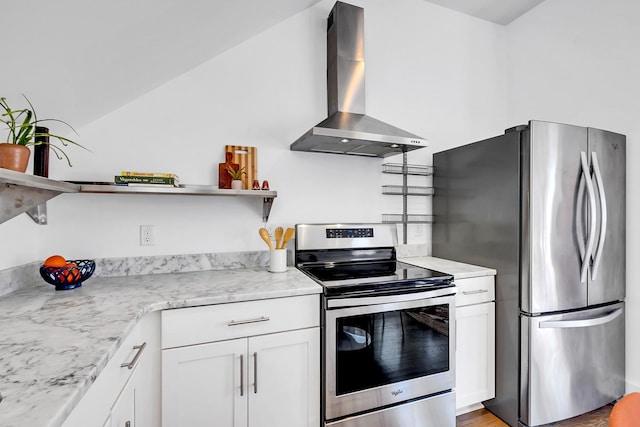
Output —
(196, 325)
(475, 290)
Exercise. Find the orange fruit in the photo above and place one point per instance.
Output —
(55, 261)
(74, 272)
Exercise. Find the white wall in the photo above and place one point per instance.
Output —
(577, 62)
(437, 73)
(432, 71)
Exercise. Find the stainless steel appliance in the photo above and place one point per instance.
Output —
(347, 129)
(388, 328)
(543, 204)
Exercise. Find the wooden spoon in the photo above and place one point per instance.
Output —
(266, 237)
(287, 236)
(278, 232)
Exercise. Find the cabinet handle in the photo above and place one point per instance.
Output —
(255, 372)
(242, 375)
(477, 291)
(244, 322)
(133, 362)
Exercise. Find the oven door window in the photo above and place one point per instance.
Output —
(387, 347)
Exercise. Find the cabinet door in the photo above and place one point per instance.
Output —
(284, 379)
(123, 411)
(475, 354)
(205, 385)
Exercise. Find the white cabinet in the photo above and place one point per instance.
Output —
(205, 384)
(475, 341)
(121, 394)
(123, 412)
(253, 363)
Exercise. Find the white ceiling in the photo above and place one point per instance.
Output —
(497, 11)
(79, 60)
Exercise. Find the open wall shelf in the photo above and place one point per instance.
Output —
(405, 191)
(25, 193)
(185, 190)
(21, 192)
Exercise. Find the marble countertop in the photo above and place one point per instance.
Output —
(457, 269)
(54, 344)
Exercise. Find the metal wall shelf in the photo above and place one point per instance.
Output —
(184, 190)
(400, 168)
(408, 190)
(405, 191)
(407, 219)
(25, 193)
(21, 192)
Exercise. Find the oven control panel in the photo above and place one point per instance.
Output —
(319, 237)
(348, 233)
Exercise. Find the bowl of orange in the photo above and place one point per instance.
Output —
(66, 274)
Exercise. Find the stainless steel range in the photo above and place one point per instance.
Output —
(388, 337)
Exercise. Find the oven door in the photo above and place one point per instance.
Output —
(379, 351)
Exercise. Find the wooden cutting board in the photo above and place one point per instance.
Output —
(247, 158)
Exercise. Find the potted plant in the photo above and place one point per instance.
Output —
(236, 176)
(24, 130)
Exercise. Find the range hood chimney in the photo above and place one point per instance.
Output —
(348, 130)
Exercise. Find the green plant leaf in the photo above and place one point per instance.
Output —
(22, 123)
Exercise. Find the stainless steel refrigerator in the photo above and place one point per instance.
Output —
(543, 204)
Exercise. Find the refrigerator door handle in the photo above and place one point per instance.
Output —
(603, 215)
(582, 323)
(580, 217)
(592, 222)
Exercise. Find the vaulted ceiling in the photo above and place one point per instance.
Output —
(79, 59)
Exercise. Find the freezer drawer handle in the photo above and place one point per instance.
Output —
(583, 323)
(603, 215)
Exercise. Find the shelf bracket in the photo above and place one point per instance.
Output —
(267, 202)
(16, 199)
(38, 213)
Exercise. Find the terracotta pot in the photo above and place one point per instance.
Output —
(236, 184)
(14, 157)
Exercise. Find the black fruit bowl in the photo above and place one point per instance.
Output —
(68, 277)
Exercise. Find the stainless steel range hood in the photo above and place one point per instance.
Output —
(348, 130)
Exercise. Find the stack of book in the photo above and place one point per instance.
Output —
(149, 179)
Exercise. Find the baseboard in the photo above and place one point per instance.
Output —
(470, 408)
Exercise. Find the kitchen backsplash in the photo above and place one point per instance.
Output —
(26, 275)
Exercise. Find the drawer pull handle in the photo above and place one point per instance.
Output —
(255, 372)
(244, 322)
(241, 375)
(477, 291)
(133, 362)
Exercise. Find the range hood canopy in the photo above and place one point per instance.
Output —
(348, 130)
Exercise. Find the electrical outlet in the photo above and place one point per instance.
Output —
(147, 235)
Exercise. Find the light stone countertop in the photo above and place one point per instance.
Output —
(457, 269)
(53, 344)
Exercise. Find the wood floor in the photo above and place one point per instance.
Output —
(484, 418)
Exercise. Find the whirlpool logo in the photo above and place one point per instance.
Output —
(396, 392)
